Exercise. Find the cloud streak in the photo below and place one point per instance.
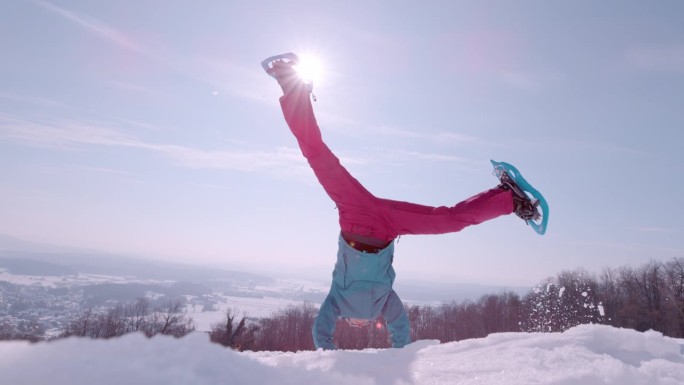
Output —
(66, 135)
(430, 136)
(656, 230)
(97, 28)
(399, 132)
(38, 101)
(202, 69)
(661, 58)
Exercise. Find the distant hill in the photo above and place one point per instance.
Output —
(44, 263)
(10, 243)
(29, 258)
(21, 266)
(430, 292)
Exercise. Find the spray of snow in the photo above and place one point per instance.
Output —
(601, 311)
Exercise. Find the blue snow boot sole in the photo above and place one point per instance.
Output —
(528, 199)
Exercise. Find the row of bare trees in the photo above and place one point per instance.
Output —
(649, 297)
(27, 330)
(139, 316)
(289, 330)
(286, 330)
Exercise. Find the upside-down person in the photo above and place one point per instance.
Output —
(361, 289)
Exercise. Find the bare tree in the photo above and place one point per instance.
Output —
(612, 295)
(81, 326)
(287, 330)
(643, 308)
(423, 323)
(30, 330)
(137, 314)
(500, 313)
(114, 323)
(240, 336)
(674, 296)
(650, 282)
(170, 319)
(7, 330)
(447, 321)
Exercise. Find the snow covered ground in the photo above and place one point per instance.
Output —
(71, 280)
(261, 307)
(584, 355)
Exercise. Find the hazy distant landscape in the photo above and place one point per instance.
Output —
(45, 286)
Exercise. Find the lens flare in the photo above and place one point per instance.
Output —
(309, 68)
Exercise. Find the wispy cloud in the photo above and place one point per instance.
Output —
(97, 27)
(403, 158)
(521, 80)
(76, 134)
(69, 135)
(429, 136)
(633, 245)
(211, 71)
(63, 134)
(230, 159)
(106, 170)
(36, 101)
(138, 89)
(395, 156)
(429, 156)
(656, 230)
(595, 147)
(660, 58)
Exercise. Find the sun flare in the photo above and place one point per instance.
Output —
(309, 68)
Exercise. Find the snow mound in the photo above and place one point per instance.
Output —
(588, 354)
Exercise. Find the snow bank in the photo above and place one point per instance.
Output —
(589, 354)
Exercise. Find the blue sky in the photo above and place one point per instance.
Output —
(149, 128)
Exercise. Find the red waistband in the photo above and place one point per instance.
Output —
(362, 246)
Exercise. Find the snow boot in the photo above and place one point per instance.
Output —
(281, 68)
(529, 203)
(525, 207)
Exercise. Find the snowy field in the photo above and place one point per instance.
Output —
(71, 280)
(584, 355)
(259, 301)
(240, 306)
(273, 298)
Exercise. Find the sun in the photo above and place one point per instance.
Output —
(309, 68)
